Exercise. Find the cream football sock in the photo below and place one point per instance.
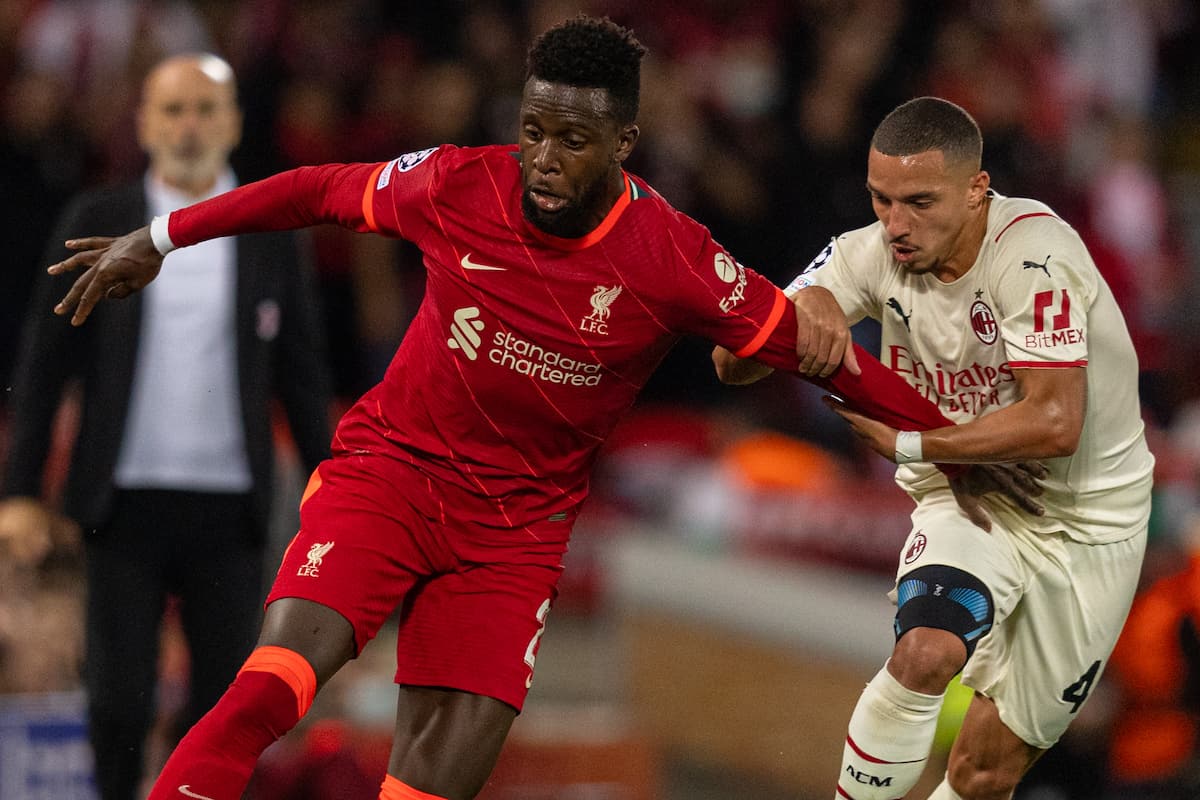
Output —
(888, 742)
(944, 792)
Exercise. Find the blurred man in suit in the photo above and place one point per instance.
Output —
(174, 499)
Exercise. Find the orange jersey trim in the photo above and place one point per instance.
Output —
(394, 789)
(1018, 219)
(772, 323)
(601, 230)
(1047, 364)
(290, 667)
(314, 483)
(368, 207)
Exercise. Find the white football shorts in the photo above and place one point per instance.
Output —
(1059, 608)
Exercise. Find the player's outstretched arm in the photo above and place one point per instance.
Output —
(875, 397)
(1045, 423)
(823, 342)
(113, 267)
(116, 267)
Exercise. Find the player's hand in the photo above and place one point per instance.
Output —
(114, 267)
(878, 436)
(823, 340)
(30, 530)
(737, 371)
(1019, 482)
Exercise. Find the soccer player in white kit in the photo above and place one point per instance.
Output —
(991, 307)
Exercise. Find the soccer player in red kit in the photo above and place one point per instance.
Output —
(556, 284)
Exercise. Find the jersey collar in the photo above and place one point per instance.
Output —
(600, 231)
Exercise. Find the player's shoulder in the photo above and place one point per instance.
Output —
(450, 159)
(647, 200)
(858, 255)
(1029, 238)
(867, 239)
(655, 216)
(865, 248)
(1012, 220)
(492, 157)
(507, 154)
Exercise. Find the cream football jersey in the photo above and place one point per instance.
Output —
(1033, 300)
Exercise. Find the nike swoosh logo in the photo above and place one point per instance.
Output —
(467, 263)
(187, 792)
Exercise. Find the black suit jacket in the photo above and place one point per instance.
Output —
(280, 353)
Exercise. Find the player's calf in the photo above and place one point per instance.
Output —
(273, 690)
(888, 742)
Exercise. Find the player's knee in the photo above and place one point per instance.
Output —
(926, 659)
(947, 599)
(974, 782)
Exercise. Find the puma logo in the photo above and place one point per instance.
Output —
(894, 304)
(1035, 265)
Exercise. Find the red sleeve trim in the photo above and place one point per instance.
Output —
(1047, 364)
(1018, 219)
(368, 207)
(773, 318)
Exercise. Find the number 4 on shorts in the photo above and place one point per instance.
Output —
(1078, 691)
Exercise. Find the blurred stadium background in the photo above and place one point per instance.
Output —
(724, 598)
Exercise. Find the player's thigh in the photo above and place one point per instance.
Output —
(1056, 646)
(359, 552)
(478, 629)
(954, 575)
(447, 741)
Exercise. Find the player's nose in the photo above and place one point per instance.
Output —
(545, 158)
(896, 222)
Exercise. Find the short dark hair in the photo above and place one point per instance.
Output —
(595, 53)
(930, 123)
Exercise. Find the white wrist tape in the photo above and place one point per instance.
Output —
(908, 447)
(160, 237)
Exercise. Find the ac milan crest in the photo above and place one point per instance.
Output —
(916, 548)
(983, 322)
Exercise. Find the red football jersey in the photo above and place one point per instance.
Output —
(528, 348)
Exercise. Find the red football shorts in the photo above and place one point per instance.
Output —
(376, 535)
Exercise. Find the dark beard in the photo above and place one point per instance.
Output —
(574, 220)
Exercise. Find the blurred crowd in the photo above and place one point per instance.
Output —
(756, 118)
(756, 115)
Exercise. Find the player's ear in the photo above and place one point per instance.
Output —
(626, 139)
(977, 191)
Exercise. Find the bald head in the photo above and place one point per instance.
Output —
(189, 122)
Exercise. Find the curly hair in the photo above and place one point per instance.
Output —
(930, 123)
(595, 53)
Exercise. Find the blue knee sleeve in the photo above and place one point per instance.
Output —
(947, 598)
